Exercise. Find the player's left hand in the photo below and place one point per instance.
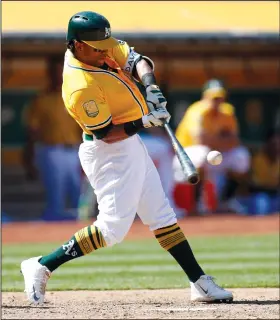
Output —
(156, 118)
(155, 98)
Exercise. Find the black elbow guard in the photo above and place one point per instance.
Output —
(132, 127)
(102, 133)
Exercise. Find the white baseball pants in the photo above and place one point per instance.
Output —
(161, 152)
(125, 182)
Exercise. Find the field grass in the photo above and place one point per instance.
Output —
(241, 261)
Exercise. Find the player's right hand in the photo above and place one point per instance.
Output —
(156, 118)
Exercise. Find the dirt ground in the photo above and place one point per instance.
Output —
(142, 304)
(261, 303)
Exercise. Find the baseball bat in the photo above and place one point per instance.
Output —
(188, 167)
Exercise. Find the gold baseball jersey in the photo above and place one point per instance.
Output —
(199, 117)
(94, 96)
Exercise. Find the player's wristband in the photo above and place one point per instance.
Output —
(148, 79)
(132, 127)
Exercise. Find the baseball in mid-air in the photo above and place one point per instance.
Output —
(214, 157)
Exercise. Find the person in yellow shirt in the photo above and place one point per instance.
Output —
(51, 149)
(211, 124)
(210, 120)
(100, 93)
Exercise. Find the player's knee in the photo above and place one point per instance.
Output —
(117, 236)
(241, 159)
(113, 234)
(113, 237)
(166, 218)
(197, 154)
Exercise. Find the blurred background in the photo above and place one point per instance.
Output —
(190, 44)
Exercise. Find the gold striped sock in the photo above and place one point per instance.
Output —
(169, 237)
(89, 239)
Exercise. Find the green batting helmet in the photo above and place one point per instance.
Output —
(91, 28)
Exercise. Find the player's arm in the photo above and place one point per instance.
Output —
(231, 135)
(192, 127)
(128, 58)
(92, 110)
(228, 137)
(183, 129)
(142, 68)
(154, 97)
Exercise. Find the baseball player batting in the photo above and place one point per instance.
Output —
(100, 93)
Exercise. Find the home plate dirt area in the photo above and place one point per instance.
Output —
(142, 304)
(249, 303)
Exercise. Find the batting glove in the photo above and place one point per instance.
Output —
(155, 98)
(156, 118)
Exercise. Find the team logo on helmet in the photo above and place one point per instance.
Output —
(91, 108)
(107, 32)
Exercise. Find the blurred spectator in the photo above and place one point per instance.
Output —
(179, 111)
(211, 124)
(52, 144)
(160, 150)
(265, 177)
(254, 133)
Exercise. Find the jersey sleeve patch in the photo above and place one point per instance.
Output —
(91, 108)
